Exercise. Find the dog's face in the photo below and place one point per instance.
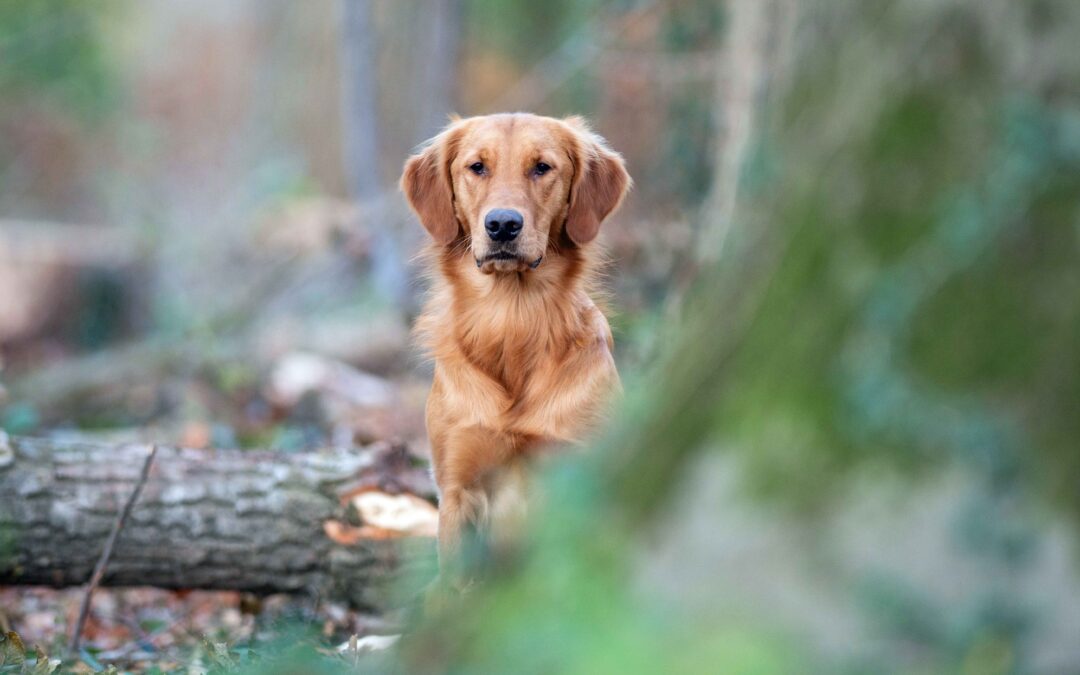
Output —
(513, 185)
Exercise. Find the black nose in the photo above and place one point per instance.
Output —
(503, 224)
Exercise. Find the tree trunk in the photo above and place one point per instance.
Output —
(440, 46)
(362, 153)
(216, 519)
(359, 86)
(756, 45)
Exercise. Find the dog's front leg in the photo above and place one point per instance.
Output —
(468, 456)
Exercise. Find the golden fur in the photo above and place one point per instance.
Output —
(522, 353)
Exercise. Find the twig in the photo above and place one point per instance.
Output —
(106, 553)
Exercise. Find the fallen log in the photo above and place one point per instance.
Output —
(258, 521)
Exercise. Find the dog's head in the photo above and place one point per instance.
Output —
(515, 186)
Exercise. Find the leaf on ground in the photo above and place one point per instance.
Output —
(43, 665)
(12, 650)
(372, 643)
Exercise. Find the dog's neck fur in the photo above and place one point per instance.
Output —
(509, 324)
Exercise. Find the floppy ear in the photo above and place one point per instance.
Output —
(426, 184)
(600, 183)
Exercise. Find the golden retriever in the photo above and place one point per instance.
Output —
(513, 204)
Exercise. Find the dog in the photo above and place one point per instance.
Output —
(522, 353)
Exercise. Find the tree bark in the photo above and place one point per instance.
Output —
(215, 519)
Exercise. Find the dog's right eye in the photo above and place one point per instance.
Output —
(477, 168)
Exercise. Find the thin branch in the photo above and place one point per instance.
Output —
(106, 553)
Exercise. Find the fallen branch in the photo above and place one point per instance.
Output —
(106, 553)
(254, 521)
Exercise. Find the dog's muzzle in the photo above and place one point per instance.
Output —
(506, 255)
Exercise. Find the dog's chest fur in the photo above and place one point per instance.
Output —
(528, 357)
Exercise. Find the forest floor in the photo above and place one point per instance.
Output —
(146, 628)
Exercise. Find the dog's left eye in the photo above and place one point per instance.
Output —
(477, 168)
(541, 168)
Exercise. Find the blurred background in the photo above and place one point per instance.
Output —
(849, 273)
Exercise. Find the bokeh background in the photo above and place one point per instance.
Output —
(846, 291)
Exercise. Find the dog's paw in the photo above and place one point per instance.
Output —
(444, 594)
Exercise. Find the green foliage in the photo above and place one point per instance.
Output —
(929, 269)
(693, 25)
(685, 167)
(52, 48)
(524, 31)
